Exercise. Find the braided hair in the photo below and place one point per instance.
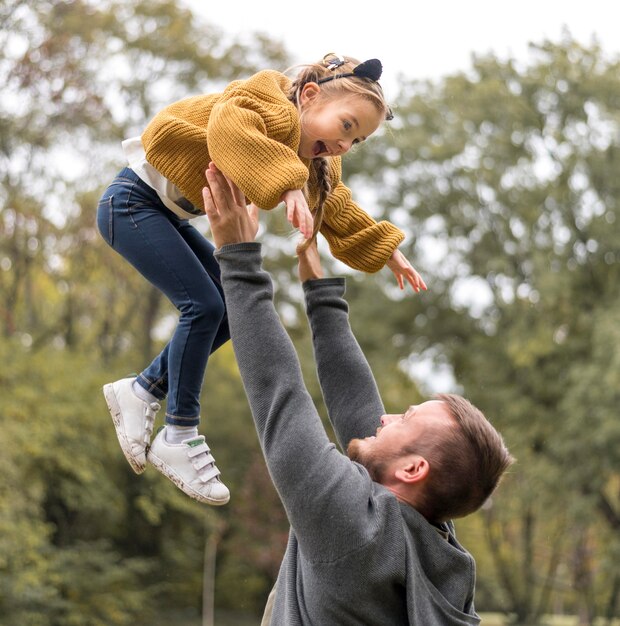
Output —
(347, 84)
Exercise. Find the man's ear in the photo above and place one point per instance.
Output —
(413, 470)
(309, 93)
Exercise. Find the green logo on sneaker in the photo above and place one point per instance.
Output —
(194, 442)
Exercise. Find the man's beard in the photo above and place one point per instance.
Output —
(357, 452)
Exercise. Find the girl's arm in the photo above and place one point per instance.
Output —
(253, 136)
(362, 243)
(354, 237)
(241, 145)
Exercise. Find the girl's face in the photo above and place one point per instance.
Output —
(331, 126)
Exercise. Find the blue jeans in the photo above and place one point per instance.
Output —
(178, 260)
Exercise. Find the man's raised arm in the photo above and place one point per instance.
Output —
(286, 419)
(347, 383)
(310, 475)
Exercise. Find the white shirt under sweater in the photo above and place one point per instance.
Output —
(356, 556)
(168, 193)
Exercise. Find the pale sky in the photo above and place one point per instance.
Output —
(416, 39)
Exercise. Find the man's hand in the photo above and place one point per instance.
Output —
(309, 262)
(403, 270)
(231, 221)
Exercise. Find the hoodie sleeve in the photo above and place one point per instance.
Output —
(328, 498)
(347, 383)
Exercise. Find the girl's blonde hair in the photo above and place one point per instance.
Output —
(335, 75)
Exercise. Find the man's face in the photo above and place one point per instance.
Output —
(397, 430)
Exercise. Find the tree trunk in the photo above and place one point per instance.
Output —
(208, 576)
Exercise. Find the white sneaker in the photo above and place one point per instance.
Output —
(133, 419)
(190, 466)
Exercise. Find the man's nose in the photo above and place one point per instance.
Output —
(386, 419)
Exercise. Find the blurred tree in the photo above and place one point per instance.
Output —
(60, 509)
(78, 78)
(84, 541)
(504, 177)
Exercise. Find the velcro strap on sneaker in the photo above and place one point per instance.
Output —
(203, 461)
(151, 408)
(150, 411)
(209, 474)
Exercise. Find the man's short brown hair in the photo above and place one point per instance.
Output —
(466, 462)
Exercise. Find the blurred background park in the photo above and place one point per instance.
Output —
(504, 174)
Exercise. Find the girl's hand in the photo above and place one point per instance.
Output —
(403, 270)
(297, 211)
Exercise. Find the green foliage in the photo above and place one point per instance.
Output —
(85, 541)
(504, 179)
(58, 566)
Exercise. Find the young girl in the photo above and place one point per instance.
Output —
(279, 141)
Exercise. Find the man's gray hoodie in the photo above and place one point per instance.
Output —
(355, 555)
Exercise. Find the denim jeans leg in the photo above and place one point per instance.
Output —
(204, 249)
(178, 260)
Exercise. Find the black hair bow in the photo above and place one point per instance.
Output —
(369, 69)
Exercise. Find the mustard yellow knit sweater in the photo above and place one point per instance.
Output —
(251, 131)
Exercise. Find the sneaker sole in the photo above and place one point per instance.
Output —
(164, 468)
(115, 412)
